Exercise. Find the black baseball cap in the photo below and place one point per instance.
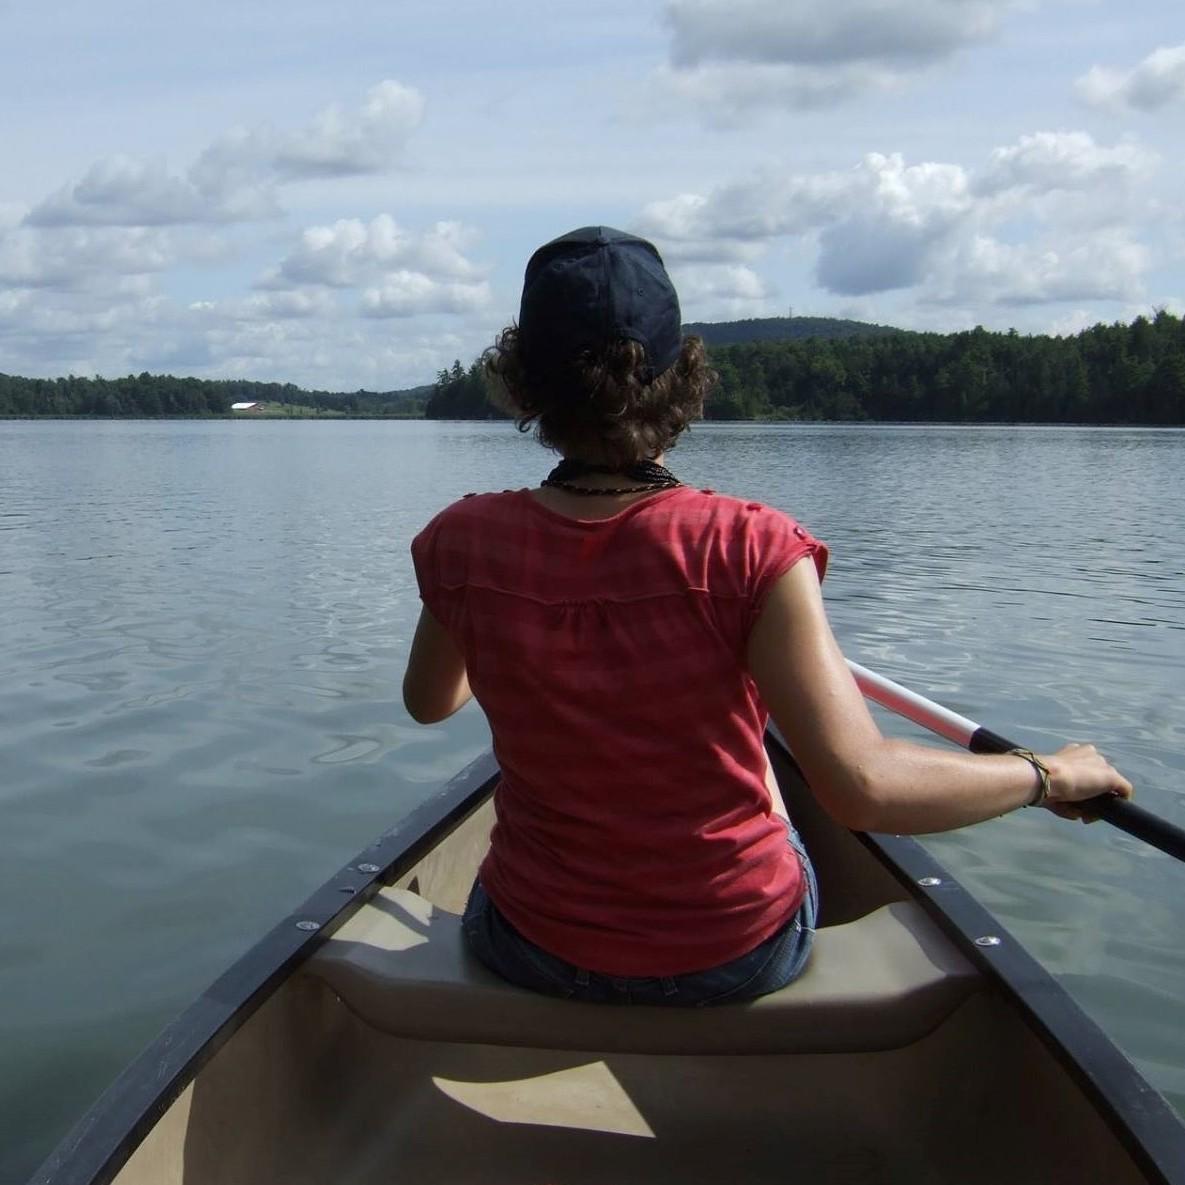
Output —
(592, 287)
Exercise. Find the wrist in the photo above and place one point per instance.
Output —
(1060, 781)
(1043, 785)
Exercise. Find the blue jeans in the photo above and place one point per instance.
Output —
(767, 967)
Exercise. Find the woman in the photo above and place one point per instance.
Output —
(626, 636)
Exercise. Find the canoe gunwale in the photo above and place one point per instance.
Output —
(1139, 1116)
(101, 1142)
(99, 1145)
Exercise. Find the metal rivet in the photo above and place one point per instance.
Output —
(308, 925)
(928, 882)
(988, 940)
(368, 868)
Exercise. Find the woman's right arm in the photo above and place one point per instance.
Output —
(865, 780)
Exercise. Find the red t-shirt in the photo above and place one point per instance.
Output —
(635, 834)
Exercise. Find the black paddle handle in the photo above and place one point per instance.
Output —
(1135, 820)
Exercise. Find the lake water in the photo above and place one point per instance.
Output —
(203, 627)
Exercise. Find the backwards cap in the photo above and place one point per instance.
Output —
(590, 288)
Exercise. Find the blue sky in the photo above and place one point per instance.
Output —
(344, 195)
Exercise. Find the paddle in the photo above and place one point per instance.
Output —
(1152, 829)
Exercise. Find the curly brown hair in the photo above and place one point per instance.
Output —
(607, 408)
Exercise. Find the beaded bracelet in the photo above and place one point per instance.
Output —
(1042, 791)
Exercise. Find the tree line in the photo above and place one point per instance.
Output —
(1108, 374)
(161, 395)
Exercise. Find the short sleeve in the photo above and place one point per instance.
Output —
(778, 542)
(425, 558)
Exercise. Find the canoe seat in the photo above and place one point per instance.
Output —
(881, 982)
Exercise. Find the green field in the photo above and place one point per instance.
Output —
(289, 411)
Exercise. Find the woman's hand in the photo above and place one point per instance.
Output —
(1079, 772)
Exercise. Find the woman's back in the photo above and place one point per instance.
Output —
(609, 657)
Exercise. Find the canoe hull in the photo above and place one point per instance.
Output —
(279, 1074)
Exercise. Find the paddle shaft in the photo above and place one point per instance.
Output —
(1152, 829)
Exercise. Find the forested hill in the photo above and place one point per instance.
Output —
(727, 333)
(1110, 374)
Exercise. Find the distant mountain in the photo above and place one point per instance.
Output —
(766, 329)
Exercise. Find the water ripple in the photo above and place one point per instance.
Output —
(205, 627)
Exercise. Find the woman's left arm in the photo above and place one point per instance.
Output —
(436, 683)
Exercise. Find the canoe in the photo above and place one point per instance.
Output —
(357, 1043)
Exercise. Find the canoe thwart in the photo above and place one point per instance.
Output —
(882, 981)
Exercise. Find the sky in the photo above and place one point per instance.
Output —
(344, 195)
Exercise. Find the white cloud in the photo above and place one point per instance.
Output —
(80, 332)
(352, 252)
(681, 243)
(235, 178)
(335, 352)
(733, 55)
(400, 273)
(11, 214)
(121, 191)
(296, 302)
(302, 337)
(727, 289)
(876, 221)
(769, 205)
(77, 258)
(342, 144)
(1049, 161)
(409, 294)
(106, 315)
(1106, 267)
(1153, 83)
(281, 305)
(935, 228)
(893, 219)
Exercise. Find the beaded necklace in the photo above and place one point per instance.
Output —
(649, 475)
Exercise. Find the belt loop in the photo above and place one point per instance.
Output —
(581, 977)
(669, 986)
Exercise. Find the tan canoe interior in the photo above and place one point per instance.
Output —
(392, 1057)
